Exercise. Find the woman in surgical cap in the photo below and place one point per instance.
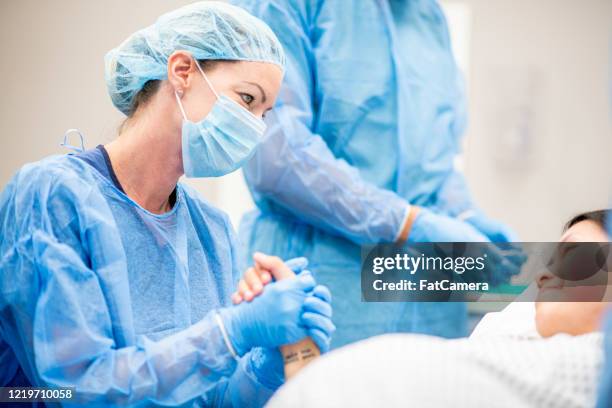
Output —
(115, 278)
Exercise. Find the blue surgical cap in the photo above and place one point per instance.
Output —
(209, 30)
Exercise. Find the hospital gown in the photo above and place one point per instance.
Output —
(99, 294)
(421, 371)
(516, 320)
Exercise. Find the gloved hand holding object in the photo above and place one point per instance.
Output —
(316, 316)
(317, 307)
(267, 363)
(271, 320)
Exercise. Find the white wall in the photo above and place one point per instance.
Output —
(540, 140)
(547, 57)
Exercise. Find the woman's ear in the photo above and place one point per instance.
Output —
(180, 67)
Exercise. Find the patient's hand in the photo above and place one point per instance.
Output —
(260, 274)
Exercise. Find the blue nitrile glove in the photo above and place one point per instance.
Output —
(506, 260)
(317, 309)
(297, 265)
(316, 317)
(431, 227)
(273, 318)
(267, 363)
(494, 230)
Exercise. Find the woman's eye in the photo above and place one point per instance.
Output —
(246, 98)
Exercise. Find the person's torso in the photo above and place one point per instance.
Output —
(388, 96)
(388, 99)
(159, 273)
(156, 274)
(173, 264)
(180, 262)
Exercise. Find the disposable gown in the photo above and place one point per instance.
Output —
(99, 294)
(368, 120)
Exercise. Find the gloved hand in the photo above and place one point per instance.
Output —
(431, 227)
(273, 318)
(317, 309)
(505, 260)
(267, 363)
(494, 230)
(297, 265)
(316, 316)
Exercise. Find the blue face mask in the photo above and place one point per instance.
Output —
(221, 142)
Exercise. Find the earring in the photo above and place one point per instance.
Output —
(179, 93)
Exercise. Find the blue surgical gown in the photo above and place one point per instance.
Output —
(368, 119)
(99, 294)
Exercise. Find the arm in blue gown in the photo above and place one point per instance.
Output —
(294, 167)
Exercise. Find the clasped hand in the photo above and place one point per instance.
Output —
(274, 306)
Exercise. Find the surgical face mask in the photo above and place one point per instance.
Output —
(221, 142)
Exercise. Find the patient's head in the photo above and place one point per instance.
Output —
(587, 227)
(573, 318)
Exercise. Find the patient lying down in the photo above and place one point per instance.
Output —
(557, 365)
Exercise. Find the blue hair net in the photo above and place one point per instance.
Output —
(209, 30)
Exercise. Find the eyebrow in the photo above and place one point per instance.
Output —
(263, 94)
